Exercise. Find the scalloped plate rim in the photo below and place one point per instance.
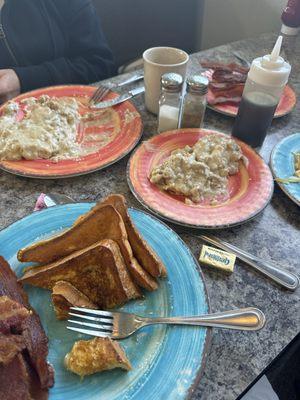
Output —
(233, 115)
(208, 333)
(272, 167)
(75, 174)
(186, 225)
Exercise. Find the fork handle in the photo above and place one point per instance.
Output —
(247, 319)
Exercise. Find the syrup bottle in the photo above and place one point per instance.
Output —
(266, 80)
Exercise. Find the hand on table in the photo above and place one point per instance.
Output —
(9, 84)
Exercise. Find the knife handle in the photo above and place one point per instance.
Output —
(136, 91)
(132, 79)
(287, 279)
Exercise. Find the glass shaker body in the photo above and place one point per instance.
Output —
(194, 104)
(169, 102)
(256, 112)
(194, 107)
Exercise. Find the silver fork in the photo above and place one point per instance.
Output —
(120, 325)
(102, 91)
(98, 95)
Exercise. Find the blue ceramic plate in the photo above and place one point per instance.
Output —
(167, 361)
(282, 165)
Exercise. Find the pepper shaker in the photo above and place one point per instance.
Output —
(169, 103)
(194, 103)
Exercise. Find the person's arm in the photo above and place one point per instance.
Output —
(88, 57)
(9, 85)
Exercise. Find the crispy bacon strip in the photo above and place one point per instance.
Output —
(226, 82)
(10, 346)
(228, 77)
(14, 380)
(222, 100)
(12, 314)
(224, 96)
(220, 87)
(32, 331)
(225, 67)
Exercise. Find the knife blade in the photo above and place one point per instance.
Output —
(285, 278)
(119, 99)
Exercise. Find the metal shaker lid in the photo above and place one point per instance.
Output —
(197, 84)
(171, 82)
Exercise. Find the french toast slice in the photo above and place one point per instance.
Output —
(141, 250)
(141, 276)
(98, 271)
(99, 354)
(65, 295)
(98, 224)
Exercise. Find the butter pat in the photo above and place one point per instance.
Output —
(217, 258)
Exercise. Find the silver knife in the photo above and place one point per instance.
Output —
(287, 279)
(132, 79)
(120, 99)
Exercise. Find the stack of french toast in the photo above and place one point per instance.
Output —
(100, 262)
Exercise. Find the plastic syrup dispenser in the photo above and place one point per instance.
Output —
(264, 86)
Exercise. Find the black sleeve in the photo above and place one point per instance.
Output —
(88, 58)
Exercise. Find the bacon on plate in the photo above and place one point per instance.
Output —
(30, 336)
(226, 81)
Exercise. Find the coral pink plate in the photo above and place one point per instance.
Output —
(111, 134)
(250, 190)
(285, 106)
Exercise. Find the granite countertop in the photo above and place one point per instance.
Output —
(235, 358)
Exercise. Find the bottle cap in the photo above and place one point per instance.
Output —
(270, 70)
(172, 82)
(289, 31)
(197, 84)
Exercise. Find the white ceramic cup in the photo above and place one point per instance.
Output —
(158, 61)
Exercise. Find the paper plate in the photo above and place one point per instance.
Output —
(113, 135)
(285, 106)
(250, 190)
(282, 165)
(167, 361)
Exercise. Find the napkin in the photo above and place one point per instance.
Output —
(40, 203)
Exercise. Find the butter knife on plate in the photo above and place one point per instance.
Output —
(117, 100)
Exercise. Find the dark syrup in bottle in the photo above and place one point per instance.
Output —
(254, 117)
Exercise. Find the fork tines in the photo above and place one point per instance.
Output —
(103, 321)
(98, 95)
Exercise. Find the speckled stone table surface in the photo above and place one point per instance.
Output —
(235, 358)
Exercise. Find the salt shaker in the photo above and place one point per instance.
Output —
(194, 103)
(169, 102)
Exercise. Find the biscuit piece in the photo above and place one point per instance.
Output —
(90, 356)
